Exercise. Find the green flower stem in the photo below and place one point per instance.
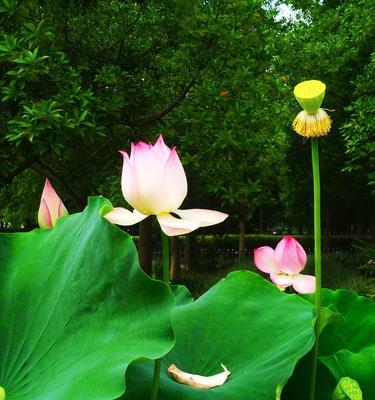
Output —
(165, 244)
(157, 367)
(317, 259)
(156, 379)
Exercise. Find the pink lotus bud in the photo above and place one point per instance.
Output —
(284, 265)
(290, 256)
(51, 207)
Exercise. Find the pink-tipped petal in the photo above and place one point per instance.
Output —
(172, 226)
(62, 210)
(290, 255)
(264, 259)
(124, 217)
(44, 216)
(129, 184)
(55, 206)
(161, 149)
(304, 283)
(203, 216)
(282, 280)
(150, 177)
(175, 180)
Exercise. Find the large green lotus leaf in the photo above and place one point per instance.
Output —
(244, 322)
(354, 327)
(182, 295)
(344, 343)
(76, 309)
(358, 366)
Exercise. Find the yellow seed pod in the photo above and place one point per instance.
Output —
(2, 393)
(313, 121)
(310, 95)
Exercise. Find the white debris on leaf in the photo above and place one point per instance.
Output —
(198, 381)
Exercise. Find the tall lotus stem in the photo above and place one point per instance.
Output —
(313, 122)
(317, 258)
(157, 366)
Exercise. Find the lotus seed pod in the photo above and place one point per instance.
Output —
(313, 121)
(310, 95)
(347, 389)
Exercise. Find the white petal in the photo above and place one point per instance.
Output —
(282, 280)
(129, 184)
(175, 180)
(304, 283)
(161, 149)
(204, 217)
(172, 226)
(199, 381)
(124, 217)
(150, 177)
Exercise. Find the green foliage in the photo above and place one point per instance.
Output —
(346, 347)
(76, 309)
(240, 322)
(358, 132)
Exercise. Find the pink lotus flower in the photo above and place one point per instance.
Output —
(154, 183)
(51, 207)
(284, 265)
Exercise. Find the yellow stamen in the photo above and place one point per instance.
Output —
(312, 125)
(2, 393)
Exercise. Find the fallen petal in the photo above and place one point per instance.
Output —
(124, 217)
(199, 381)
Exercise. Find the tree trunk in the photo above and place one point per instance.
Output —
(241, 244)
(145, 245)
(175, 259)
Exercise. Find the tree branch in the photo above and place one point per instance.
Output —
(45, 169)
(164, 111)
(24, 166)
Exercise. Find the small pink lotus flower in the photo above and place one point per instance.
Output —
(51, 207)
(284, 265)
(154, 183)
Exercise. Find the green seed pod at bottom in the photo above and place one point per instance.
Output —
(347, 389)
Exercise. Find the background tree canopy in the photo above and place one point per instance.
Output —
(80, 80)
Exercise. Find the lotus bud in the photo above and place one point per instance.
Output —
(313, 121)
(198, 381)
(2, 393)
(51, 207)
(347, 389)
